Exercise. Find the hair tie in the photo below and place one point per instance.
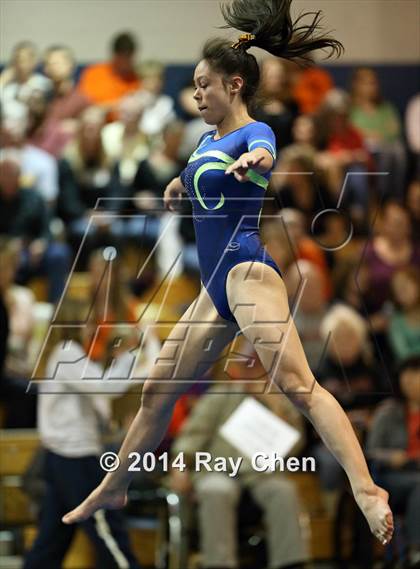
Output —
(243, 38)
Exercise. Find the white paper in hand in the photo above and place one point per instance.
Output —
(252, 428)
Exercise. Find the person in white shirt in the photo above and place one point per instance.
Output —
(159, 108)
(73, 405)
(39, 169)
(19, 79)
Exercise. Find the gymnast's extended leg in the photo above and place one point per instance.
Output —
(257, 297)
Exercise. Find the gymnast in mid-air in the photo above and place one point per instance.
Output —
(242, 289)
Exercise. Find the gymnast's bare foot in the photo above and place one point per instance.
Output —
(375, 508)
(100, 498)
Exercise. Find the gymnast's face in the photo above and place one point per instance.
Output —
(214, 94)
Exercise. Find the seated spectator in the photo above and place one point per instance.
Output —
(349, 372)
(65, 102)
(344, 153)
(272, 109)
(392, 248)
(24, 215)
(393, 444)
(73, 410)
(39, 169)
(218, 494)
(348, 369)
(19, 79)
(404, 326)
(378, 121)
(16, 325)
(85, 177)
(413, 206)
(145, 197)
(412, 133)
(352, 285)
(159, 110)
(304, 131)
(106, 83)
(310, 88)
(298, 184)
(123, 140)
(289, 228)
(20, 302)
(304, 283)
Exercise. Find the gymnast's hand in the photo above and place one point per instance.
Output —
(102, 498)
(259, 160)
(172, 197)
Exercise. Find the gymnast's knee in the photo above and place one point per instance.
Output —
(156, 400)
(301, 390)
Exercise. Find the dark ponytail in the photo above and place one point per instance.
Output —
(271, 23)
(271, 28)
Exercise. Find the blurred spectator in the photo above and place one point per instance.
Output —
(412, 118)
(349, 370)
(299, 184)
(393, 443)
(380, 125)
(16, 328)
(304, 131)
(84, 169)
(145, 199)
(272, 109)
(73, 412)
(159, 110)
(123, 140)
(218, 494)
(345, 158)
(412, 133)
(106, 83)
(20, 302)
(391, 248)
(85, 177)
(24, 215)
(413, 206)
(64, 105)
(304, 283)
(404, 328)
(19, 79)
(311, 87)
(4, 330)
(288, 241)
(352, 285)
(39, 169)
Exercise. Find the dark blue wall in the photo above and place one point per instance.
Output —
(399, 82)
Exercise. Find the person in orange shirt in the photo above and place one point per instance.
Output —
(106, 83)
(311, 88)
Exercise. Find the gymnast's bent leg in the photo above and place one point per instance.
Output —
(192, 346)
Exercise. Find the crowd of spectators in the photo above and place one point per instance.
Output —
(85, 156)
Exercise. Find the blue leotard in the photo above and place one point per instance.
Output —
(226, 213)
